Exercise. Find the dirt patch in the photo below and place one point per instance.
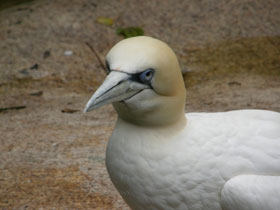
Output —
(236, 74)
(48, 186)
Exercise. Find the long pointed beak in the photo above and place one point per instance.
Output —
(116, 87)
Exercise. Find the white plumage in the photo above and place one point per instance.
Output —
(160, 158)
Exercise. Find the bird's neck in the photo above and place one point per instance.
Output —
(168, 128)
(163, 112)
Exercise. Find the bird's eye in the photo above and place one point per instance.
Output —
(146, 76)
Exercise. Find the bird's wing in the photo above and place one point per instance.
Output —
(251, 192)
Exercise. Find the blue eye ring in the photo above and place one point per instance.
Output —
(146, 76)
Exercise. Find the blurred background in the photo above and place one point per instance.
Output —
(51, 154)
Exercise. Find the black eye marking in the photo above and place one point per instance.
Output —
(144, 77)
(108, 70)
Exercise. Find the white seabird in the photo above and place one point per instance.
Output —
(160, 158)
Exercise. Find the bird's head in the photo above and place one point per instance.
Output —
(144, 83)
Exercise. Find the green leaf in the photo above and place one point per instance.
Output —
(105, 21)
(130, 32)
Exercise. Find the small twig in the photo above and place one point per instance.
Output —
(38, 93)
(67, 110)
(97, 56)
(12, 108)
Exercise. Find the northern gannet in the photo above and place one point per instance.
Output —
(158, 157)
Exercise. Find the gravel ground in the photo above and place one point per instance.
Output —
(51, 154)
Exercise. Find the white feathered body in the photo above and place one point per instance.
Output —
(187, 167)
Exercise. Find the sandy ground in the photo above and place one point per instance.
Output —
(51, 154)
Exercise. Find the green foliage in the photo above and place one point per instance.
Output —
(105, 21)
(130, 32)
